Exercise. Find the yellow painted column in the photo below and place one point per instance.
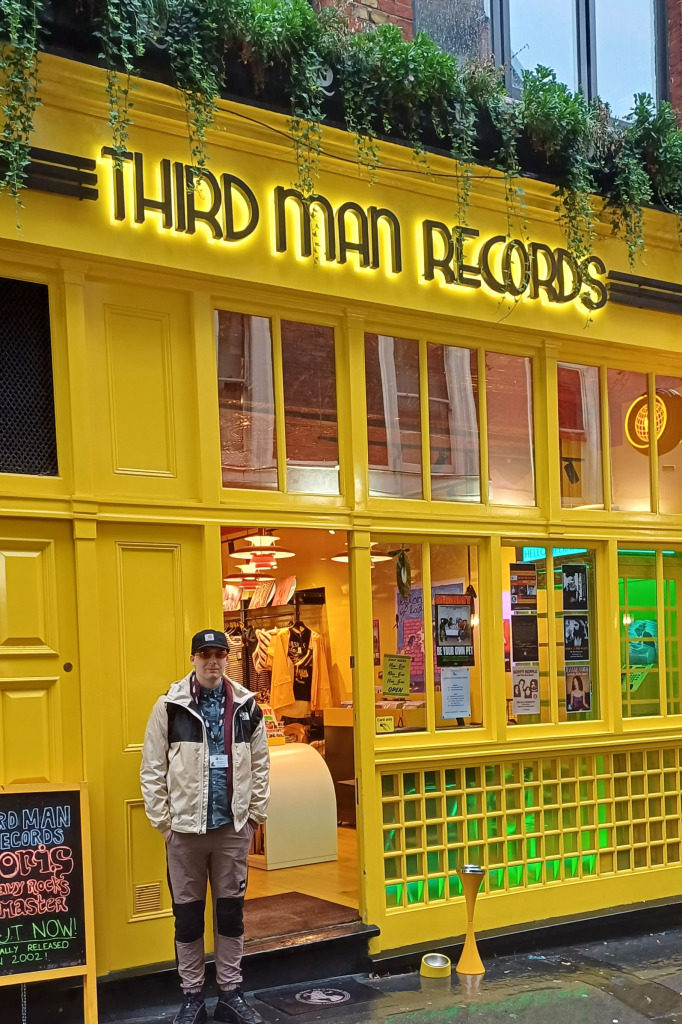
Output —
(90, 667)
(73, 287)
(367, 780)
(207, 412)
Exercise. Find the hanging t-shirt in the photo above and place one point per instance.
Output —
(300, 655)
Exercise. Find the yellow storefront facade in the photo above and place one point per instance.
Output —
(571, 803)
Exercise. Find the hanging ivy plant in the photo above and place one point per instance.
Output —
(407, 90)
(122, 27)
(191, 31)
(559, 124)
(20, 33)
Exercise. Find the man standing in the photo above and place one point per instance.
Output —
(204, 780)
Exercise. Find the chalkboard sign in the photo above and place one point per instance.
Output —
(42, 915)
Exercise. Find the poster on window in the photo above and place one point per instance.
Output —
(574, 588)
(523, 583)
(576, 638)
(524, 630)
(526, 692)
(456, 689)
(578, 688)
(454, 632)
(410, 622)
(642, 643)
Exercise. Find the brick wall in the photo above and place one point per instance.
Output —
(363, 14)
(675, 52)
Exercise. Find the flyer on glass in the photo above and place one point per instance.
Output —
(576, 638)
(578, 688)
(456, 691)
(574, 588)
(526, 692)
(454, 632)
(524, 629)
(523, 584)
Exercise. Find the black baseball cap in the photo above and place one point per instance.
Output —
(209, 638)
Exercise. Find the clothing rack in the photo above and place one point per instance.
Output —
(270, 615)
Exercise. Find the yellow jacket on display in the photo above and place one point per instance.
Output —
(282, 686)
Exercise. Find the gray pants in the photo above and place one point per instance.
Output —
(221, 856)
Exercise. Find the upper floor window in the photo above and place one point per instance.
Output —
(28, 441)
(277, 399)
(610, 48)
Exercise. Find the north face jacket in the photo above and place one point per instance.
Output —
(174, 771)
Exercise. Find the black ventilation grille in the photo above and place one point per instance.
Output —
(28, 442)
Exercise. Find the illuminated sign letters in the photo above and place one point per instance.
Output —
(311, 227)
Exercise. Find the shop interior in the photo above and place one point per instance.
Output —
(286, 616)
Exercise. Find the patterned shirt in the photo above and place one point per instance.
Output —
(210, 707)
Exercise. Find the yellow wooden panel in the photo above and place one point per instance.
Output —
(138, 356)
(29, 731)
(149, 594)
(146, 868)
(27, 597)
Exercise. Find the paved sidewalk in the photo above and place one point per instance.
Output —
(620, 981)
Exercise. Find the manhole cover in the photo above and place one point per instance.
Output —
(323, 996)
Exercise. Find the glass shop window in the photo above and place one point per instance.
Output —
(509, 399)
(454, 423)
(526, 645)
(248, 350)
(668, 420)
(639, 642)
(543, 33)
(649, 585)
(463, 29)
(575, 616)
(312, 444)
(393, 416)
(398, 629)
(580, 451)
(629, 439)
(625, 51)
(456, 636)
(246, 398)
(28, 437)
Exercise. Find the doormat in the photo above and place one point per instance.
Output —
(290, 912)
(294, 1000)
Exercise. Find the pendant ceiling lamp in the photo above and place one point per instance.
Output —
(261, 545)
(343, 555)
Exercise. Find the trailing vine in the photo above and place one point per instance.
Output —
(383, 86)
(193, 45)
(20, 35)
(122, 27)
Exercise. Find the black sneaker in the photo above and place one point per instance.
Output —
(192, 1011)
(234, 1009)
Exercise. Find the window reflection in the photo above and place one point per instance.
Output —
(580, 436)
(628, 425)
(311, 432)
(509, 397)
(543, 33)
(453, 423)
(462, 28)
(639, 650)
(626, 51)
(393, 416)
(669, 438)
(246, 401)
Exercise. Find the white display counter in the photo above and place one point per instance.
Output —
(301, 825)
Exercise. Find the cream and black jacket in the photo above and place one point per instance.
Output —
(175, 770)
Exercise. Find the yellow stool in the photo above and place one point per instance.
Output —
(470, 962)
